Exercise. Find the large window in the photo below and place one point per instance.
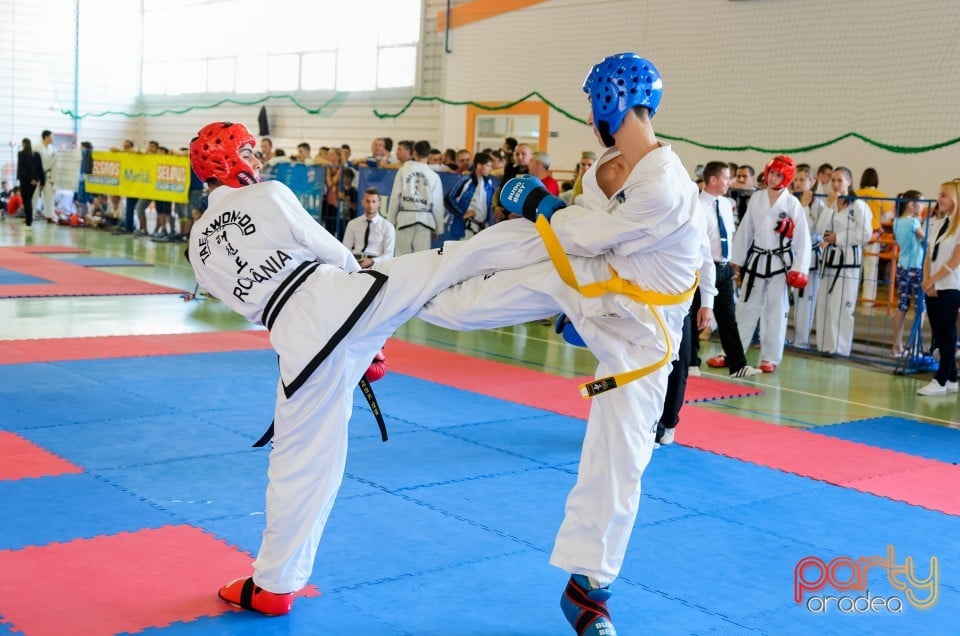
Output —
(253, 46)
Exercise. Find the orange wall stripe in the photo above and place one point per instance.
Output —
(477, 10)
(523, 108)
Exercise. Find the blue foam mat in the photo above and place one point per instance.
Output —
(10, 277)
(455, 516)
(67, 507)
(900, 434)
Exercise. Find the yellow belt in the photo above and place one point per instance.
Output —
(614, 285)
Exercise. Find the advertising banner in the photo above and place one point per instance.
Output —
(150, 177)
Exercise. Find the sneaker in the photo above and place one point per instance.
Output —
(668, 436)
(717, 362)
(694, 372)
(767, 367)
(746, 371)
(952, 387)
(934, 388)
(245, 594)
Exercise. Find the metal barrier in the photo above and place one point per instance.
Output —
(878, 299)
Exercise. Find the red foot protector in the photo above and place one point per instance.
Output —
(20, 459)
(245, 594)
(121, 583)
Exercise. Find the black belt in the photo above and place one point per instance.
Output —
(829, 262)
(751, 266)
(371, 400)
(285, 291)
(281, 298)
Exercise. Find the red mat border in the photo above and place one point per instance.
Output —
(67, 279)
(101, 347)
(22, 459)
(85, 586)
(894, 475)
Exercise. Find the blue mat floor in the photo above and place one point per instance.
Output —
(10, 277)
(900, 434)
(447, 528)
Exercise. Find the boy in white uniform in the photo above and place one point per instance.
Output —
(258, 251)
(416, 203)
(637, 222)
(772, 250)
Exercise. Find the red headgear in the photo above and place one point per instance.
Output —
(785, 166)
(215, 154)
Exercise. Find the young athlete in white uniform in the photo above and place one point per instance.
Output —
(258, 251)
(846, 225)
(771, 250)
(636, 237)
(805, 297)
(416, 203)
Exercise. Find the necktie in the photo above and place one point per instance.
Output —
(936, 241)
(366, 238)
(723, 231)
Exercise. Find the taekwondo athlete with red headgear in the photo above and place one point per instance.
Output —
(771, 251)
(258, 251)
(636, 239)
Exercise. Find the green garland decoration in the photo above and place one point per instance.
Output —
(693, 142)
(336, 100)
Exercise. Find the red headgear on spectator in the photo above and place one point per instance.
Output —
(215, 154)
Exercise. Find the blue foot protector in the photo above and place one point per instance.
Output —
(566, 329)
(586, 609)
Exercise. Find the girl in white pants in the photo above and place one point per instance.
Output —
(845, 225)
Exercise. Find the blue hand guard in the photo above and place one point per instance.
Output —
(566, 329)
(528, 197)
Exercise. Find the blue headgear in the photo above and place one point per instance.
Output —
(618, 84)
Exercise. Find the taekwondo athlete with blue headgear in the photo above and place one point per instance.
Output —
(635, 242)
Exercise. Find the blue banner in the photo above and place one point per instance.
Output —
(308, 183)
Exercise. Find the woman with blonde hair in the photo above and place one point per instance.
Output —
(941, 286)
(587, 157)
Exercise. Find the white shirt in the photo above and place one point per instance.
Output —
(382, 240)
(947, 244)
(709, 204)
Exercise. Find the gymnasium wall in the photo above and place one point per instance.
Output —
(767, 73)
(772, 74)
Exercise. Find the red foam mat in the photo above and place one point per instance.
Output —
(550, 392)
(20, 459)
(67, 279)
(87, 586)
(98, 347)
(915, 480)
